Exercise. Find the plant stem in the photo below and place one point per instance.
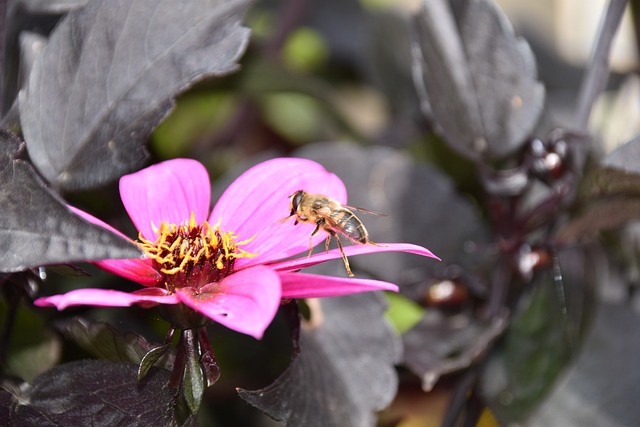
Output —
(3, 41)
(597, 73)
(460, 397)
(208, 358)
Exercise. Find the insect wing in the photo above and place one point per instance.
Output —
(363, 210)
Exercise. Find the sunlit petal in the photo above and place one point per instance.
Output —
(105, 298)
(168, 191)
(299, 263)
(302, 285)
(256, 203)
(137, 269)
(245, 301)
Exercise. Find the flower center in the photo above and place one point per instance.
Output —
(192, 254)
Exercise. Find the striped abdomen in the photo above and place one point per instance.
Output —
(350, 226)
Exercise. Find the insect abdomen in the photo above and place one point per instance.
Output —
(351, 226)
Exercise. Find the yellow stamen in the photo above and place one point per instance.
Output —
(181, 248)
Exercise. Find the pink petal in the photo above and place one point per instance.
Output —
(138, 270)
(299, 263)
(245, 301)
(106, 298)
(302, 285)
(257, 201)
(92, 219)
(167, 191)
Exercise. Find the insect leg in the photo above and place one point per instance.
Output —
(315, 231)
(344, 257)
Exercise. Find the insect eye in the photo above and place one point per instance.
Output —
(295, 200)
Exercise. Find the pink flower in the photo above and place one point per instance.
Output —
(232, 264)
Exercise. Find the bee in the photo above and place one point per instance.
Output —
(332, 217)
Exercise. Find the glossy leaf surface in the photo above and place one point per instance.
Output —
(37, 228)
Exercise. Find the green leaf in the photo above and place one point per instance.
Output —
(33, 348)
(315, 95)
(305, 50)
(297, 117)
(150, 359)
(543, 339)
(193, 381)
(195, 116)
(403, 313)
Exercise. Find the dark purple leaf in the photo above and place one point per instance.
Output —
(36, 227)
(108, 76)
(503, 70)
(344, 372)
(91, 393)
(442, 77)
(102, 340)
(478, 81)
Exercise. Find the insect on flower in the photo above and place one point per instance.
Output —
(333, 217)
(219, 263)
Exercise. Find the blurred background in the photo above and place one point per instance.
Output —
(335, 81)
